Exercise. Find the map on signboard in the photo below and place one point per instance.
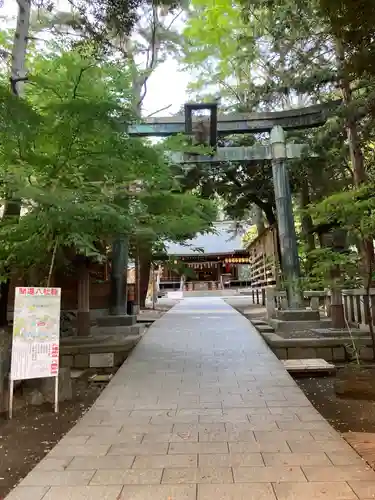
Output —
(36, 332)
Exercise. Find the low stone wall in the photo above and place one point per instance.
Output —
(336, 354)
(82, 360)
(76, 352)
(331, 349)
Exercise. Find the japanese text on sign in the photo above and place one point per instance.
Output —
(36, 332)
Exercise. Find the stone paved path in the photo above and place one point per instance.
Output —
(201, 410)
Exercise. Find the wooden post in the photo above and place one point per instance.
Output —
(270, 302)
(83, 292)
(137, 282)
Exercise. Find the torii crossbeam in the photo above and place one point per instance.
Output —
(239, 123)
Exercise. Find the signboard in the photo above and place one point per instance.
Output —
(36, 334)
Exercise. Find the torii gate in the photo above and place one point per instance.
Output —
(278, 152)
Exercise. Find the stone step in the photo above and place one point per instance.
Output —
(295, 326)
(116, 348)
(308, 366)
(124, 331)
(257, 322)
(116, 320)
(264, 328)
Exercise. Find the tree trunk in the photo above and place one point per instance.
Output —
(356, 154)
(4, 297)
(307, 223)
(12, 208)
(18, 70)
(145, 259)
(259, 219)
(337, 307)
(269, 212)
(337, 241)
(83, 314)
(137, 289)
(306, 220)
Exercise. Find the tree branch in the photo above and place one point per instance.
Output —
(158, 111)
(153, 50)
(174, 19)
(76, 85)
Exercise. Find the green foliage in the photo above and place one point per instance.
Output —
(354, 212)
(250, 235)
(352, 21)
(325, 260)
(65, 153)
(280, 54)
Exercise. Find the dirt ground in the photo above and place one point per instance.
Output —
(345, 415)
(34, 431)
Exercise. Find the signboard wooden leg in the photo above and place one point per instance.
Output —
(57, 394)
(11, 388)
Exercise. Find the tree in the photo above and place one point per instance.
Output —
(69, 167)
(352, 22)
(107, 26)
(141, 51)
(277, 54)
(353, 211)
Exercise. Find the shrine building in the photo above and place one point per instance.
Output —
(218, 261)
(208, 262)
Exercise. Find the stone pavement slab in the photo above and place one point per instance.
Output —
(201, 410)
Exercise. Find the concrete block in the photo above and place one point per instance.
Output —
(101, 360)
(366, 354)
(281, 353)
(295, 326)
(301, 353)
(67, 361)
(297, 315)
(324, 353)
(121, 331)
(33, 396)
(81, 361)
(338, 354)
(264, 328)
(120, 320)
(47, 387)
(314, 303)
(120, 358)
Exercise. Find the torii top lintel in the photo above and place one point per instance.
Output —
(240, 123)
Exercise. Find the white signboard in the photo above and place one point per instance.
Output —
(36, 333)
